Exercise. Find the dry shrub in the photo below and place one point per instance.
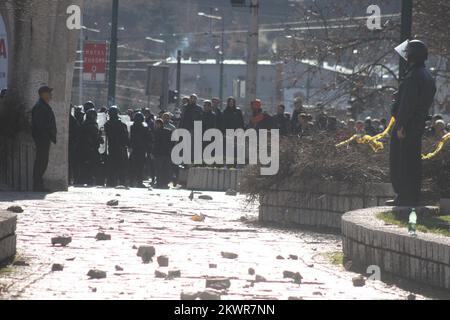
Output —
(317, 158)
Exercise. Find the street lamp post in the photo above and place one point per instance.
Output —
(221, 52)
(113, 55)
(178, 79)
(253, 48)
(222, 60)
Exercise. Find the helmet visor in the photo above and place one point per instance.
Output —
(402, 50)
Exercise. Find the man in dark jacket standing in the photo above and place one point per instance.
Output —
(140, 146)
(232, 117)
(281, 122)
(162, 149)
(191, 113)
(209, 118)
(216, 104)
(413, 101)
(44, 133)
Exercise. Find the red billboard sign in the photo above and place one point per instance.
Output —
(95, 56)
(3, 55)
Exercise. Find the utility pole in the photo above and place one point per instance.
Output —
(80, 83)
(113, 54)
(222, 60)
(253, 48)
(406, 26)
(179, 79)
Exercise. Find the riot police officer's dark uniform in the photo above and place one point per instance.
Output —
(140, 146)
(162, 149)
(118, 141)
(413, 101)
(44, 133)
(90, 140)
(75, 123)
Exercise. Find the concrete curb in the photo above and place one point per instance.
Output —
(7, 236)
(319, 203)
(213, 179)
(367, 241)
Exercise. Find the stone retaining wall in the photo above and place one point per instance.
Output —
(367, 241)
(213, 179)
(319, 203)
(16, 164)
(7, 236)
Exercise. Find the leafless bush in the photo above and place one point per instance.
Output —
(317, 158)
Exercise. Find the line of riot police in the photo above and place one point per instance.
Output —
(114, 154)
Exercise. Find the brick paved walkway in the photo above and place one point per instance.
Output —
(162, 218)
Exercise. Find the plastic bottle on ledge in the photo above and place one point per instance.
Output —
(412, 222)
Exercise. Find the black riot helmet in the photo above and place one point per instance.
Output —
(88, 106)
(91, 115)
(417, 51)
(139, 117)
(79, 113)
(113, 112)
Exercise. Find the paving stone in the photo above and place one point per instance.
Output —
(159, 274)
(189, 295)
(113, 203)
(103, 236)
(163, 261)
(15, 209)
(96, 274)
(359, 281)
(61, 240)
(218, 283)
(229, 255)
(146, 253)
(210, 295)
(296, 276)
(174, 274)
(57, 267)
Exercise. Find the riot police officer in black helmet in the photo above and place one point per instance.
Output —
(413, 101)
(140, 147)
(88, 106)
(117, 141)
(90, 140)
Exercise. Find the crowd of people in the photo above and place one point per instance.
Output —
(144, 152)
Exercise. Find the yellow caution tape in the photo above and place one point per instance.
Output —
(439, 148)
(371, 141)
(377, 145)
